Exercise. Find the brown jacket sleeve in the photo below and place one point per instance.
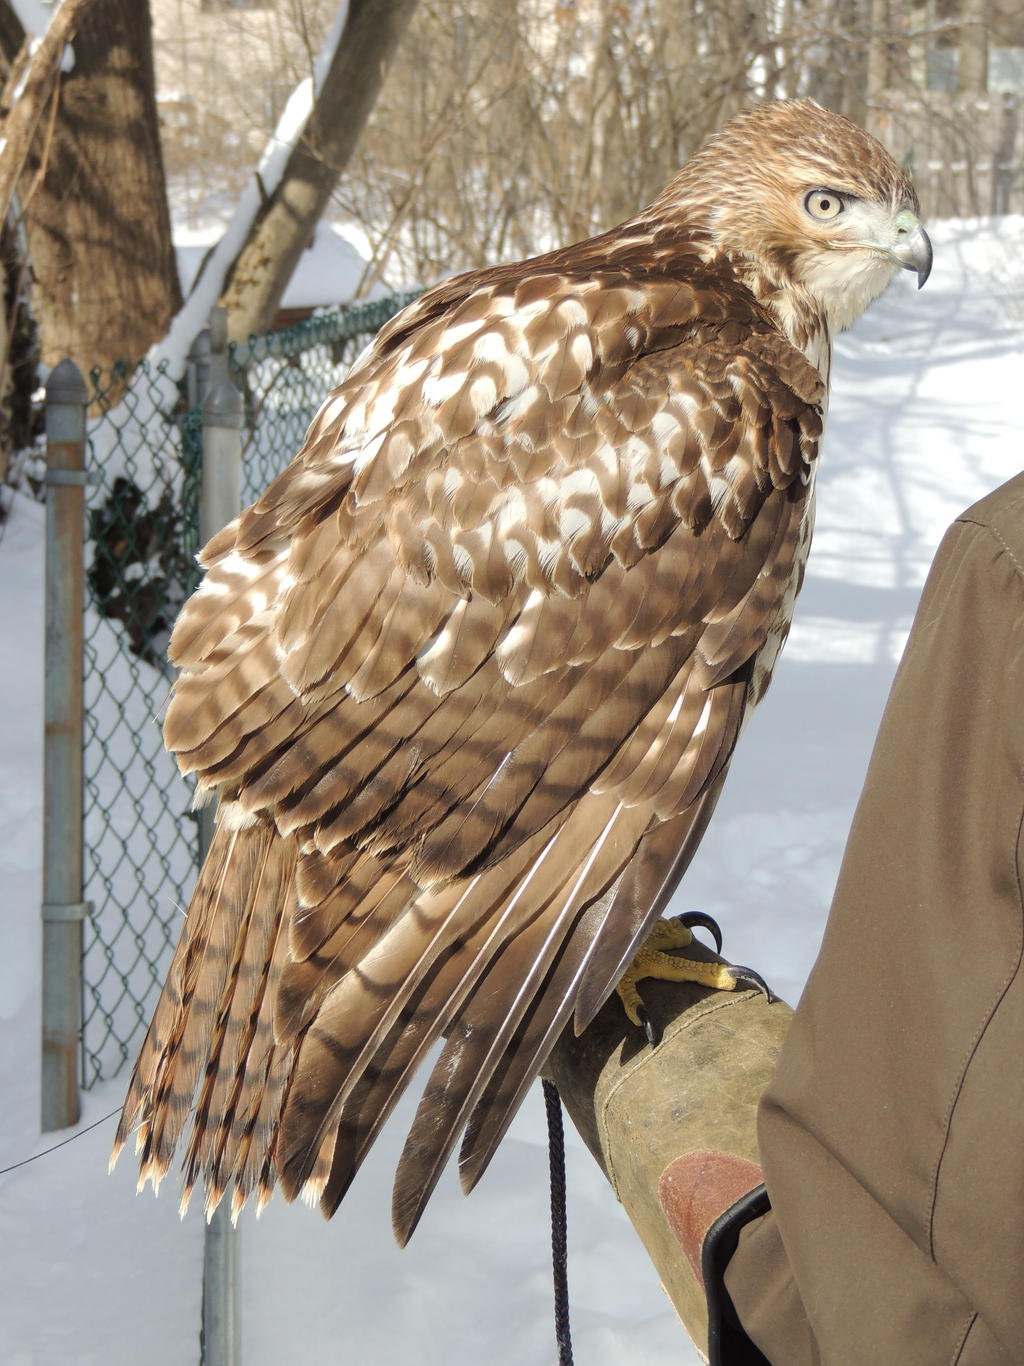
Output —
(892, 1134)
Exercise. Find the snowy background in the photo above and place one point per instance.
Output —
(925, 419)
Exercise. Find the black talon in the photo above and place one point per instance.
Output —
(747, 977)
(648, 1026)
(707, 922)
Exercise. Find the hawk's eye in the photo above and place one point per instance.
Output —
(824, 204)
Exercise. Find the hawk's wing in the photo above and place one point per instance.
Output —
(493, 631)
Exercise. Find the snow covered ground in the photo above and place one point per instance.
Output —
(925, 419)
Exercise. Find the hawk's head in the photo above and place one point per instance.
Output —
(810, 202)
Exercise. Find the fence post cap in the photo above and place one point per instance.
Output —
(66, 385)
(219, 329)
(201, 348)
(223, 406)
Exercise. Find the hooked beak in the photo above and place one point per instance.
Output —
(912, 247)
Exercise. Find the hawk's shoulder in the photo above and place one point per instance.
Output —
(510, 378)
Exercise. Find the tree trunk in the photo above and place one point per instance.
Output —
(973, 73)
(879, 36)
(285, 224)
(30, 73)
(30, 79)
(94, 200)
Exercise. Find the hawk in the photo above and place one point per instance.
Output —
(466, 679)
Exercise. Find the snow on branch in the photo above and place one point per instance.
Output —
(209, 283)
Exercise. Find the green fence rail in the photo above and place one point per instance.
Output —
(141, 837)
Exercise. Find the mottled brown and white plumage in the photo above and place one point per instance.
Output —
(467, 677)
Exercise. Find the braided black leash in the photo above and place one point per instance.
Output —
(556, 1157)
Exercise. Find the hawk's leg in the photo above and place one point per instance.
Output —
(655, 960)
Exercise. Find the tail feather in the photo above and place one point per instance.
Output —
(426, 1017)
(308, 987)
(209, 930)
(460, 1074)
(208, 1021)
(376, 1024)
(485, 1039)
(353, 1019)
(383, 1082)
(524, 1057)
(305, 984)
(254, 1165)
(134, 1114)
(241, 1004)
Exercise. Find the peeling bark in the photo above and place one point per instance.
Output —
(94, 201)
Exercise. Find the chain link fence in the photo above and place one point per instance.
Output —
(144, 459)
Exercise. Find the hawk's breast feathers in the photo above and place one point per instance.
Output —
(467, 677)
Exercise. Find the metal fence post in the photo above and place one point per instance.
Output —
(63, 909)
(219, 501)
(197, 369)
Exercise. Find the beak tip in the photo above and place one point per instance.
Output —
(913, 250)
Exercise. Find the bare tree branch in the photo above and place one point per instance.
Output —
(258, 277)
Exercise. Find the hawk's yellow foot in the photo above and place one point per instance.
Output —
(655, 960)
